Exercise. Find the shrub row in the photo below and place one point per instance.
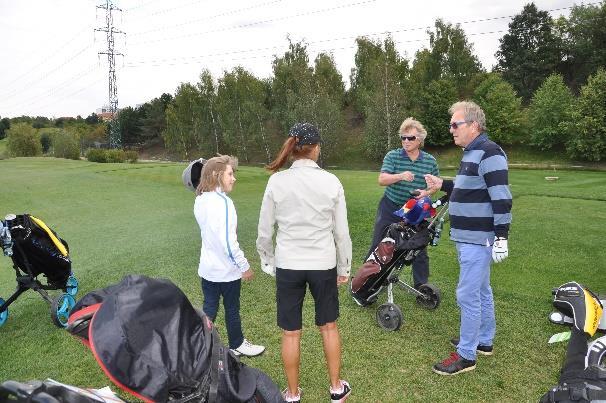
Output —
(113, 155)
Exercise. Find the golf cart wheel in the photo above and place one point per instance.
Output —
(431, 296)
(3, 314)
(72, 285)
(61, 307)
(389, 316)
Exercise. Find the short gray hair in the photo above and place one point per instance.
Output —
(412, 123)
(471, 112)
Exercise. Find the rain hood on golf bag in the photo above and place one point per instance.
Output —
(152, 343)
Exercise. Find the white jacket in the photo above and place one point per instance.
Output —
(221, 259)
(308, 205)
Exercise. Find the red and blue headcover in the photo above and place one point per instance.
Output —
(416, 210)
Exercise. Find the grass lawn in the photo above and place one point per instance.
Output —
(121, 218)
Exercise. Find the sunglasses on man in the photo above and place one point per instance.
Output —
(409, 138)
(455, 125)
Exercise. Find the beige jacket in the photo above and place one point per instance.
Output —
(308, 205)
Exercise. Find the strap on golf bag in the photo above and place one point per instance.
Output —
(589, 386)
(576, 392)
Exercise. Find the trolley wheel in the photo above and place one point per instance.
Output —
(389, 316)
(3, 314)
(431, 296)
(72, 285)
(60, 309)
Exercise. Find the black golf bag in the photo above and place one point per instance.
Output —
(152, 343)
(407, 241)
(400, 245)
(36, 250)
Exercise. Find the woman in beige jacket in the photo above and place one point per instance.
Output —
(313, 248)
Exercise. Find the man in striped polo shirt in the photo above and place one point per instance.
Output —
(480, 214)
(403, 171)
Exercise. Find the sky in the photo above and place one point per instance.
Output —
(51, 65)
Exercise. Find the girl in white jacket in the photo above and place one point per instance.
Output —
(222, 263)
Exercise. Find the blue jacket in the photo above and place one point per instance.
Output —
(480, 200)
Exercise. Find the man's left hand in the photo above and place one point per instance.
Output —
(500, 250)
(342, 280)
(422, 193)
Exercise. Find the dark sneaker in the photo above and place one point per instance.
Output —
(342, 395)
(484, 350)
(455, 364)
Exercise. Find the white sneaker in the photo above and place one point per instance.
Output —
(248, 349)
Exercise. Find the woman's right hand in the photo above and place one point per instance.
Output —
(247, 275)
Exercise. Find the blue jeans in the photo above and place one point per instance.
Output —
(474, 297)
(231, 303)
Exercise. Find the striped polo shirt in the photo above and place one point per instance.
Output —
(397, 161)
(480, 202)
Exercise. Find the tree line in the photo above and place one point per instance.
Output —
(547, 90)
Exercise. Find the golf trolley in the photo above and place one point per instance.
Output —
(36, 249)
(401, 244)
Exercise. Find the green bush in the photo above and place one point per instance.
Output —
(503, 109)
(588, 142)
(46, 142)
(65, 145)
(96, 155)
(131, 156)
(23, 141)
(550, 113)
(115, 155)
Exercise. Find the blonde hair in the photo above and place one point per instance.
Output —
(412, 123)
(213, 170)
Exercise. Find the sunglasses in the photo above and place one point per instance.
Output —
(409, 138)
(455, 125)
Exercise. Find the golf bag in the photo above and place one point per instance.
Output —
(36, 250)
(564, 315)
(583, 375)
(151, 342)
(401, 243)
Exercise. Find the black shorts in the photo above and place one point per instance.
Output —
(291, 286)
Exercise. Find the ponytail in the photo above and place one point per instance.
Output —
(290, 149)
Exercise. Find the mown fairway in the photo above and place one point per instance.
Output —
(121, 219)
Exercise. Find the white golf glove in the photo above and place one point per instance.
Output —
(269, 269)
(499, 249)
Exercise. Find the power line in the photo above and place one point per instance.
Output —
(45, 59)
(474, 21)
(141, 5)
(63, 84)
(193, 59)
(48, 73)
(231, 12)
(251, 24)
(71, 94)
